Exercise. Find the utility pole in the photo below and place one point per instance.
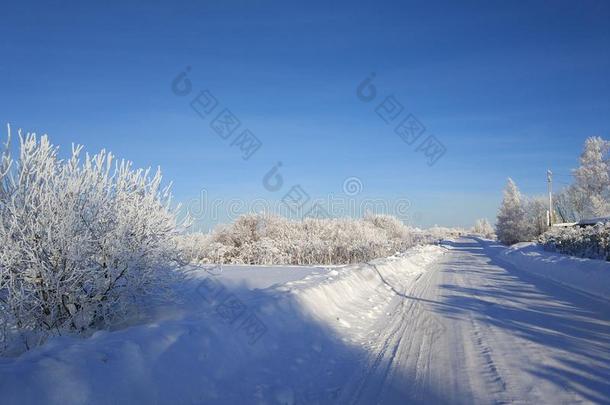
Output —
(549, 178)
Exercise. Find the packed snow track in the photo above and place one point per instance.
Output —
(474, 329)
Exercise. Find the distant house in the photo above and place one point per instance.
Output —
(593, 221)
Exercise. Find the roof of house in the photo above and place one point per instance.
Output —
(593, 221)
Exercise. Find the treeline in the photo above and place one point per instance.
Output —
(268, 239)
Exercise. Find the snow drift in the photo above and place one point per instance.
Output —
(586, 275)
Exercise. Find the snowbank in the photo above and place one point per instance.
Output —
(347, 296)
(586, 275)
(225, 340)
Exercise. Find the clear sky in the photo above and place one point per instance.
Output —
(509, 89)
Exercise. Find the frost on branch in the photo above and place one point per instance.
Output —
(80, 239)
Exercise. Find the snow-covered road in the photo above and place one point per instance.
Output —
(473, 329)
(451, 324)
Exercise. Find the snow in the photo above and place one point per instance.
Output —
(475, 330)
(253, 277)
(466, 322)
(313, 321)
(586, 275)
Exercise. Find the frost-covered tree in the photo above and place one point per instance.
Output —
(80, 238)
(592, 178)
(589, 195)
(568, 206)
(536, 211)
(511, 225)
(483, 228)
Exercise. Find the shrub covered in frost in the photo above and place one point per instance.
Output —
(267, 239)
(592, 242)
(80, 238)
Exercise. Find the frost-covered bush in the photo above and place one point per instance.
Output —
(592, 242)
(268, 239)
(393, 227)
(190, 246)
(80, 239)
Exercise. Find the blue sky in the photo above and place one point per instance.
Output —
(510, 89)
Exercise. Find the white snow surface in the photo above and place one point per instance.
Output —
(456, 323)
(586, 275)
(315, 320)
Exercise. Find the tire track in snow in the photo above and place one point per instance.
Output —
(392, 341)
(494, 381)
(371, 383)
(501, 337)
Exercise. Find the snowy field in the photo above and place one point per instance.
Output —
(311, 327)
